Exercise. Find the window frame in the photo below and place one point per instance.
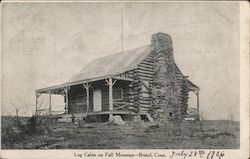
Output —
(121, 90)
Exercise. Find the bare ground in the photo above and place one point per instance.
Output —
(132, 135)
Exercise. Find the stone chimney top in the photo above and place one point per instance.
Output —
(162, 43)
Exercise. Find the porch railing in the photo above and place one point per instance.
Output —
(120, 105)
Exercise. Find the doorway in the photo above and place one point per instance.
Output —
(97, 102)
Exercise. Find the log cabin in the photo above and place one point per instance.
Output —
(141, 82)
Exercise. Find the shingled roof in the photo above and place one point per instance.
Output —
(106, 66)
(112, 64)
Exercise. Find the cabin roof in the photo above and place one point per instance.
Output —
(104, 67)
(112, 64)
(109, 66)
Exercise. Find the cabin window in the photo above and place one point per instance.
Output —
(117, 94)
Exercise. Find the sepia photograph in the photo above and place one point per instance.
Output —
(120, 75)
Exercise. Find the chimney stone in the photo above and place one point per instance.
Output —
(162, 43)
(165, 88)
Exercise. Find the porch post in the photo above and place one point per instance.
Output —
(49, 102)
(86, 86)
(110, 94)
(198, 105)
(66, 100)
(36, 103)
(87, 92)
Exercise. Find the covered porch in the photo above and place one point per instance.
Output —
(193, 113)
(104, 95)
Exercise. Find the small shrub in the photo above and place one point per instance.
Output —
(10, 137)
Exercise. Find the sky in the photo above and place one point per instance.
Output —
(45, 44)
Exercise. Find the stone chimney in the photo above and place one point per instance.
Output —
(166, 90)
(162, 43)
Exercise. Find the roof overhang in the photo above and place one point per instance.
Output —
(192, 86)
(58, 89)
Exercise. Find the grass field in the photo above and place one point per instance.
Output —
(210, 135)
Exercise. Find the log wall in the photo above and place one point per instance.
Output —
(183, 97)
(145, 72)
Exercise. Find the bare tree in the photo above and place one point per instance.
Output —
(20, 108)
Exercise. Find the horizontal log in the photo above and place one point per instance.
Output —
(136, 75)
(144, 108)
(148, 60)
(135, 79)
(181, 99)
(145, 98)
(131, 102)
(132, 108)
(145, 101)
(146, 72)
(144, 111)
(141, 92)
(131, 76)
(146, 75)
(146, 68)
(145, 95)
(146, 105)
(146, 78)
(151, 56)
(149, 79)
(138, 96)
(146, 65)
(131, 97)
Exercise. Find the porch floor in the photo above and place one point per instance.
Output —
(79, 116)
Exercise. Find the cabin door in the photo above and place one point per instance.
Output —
(97, 93)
